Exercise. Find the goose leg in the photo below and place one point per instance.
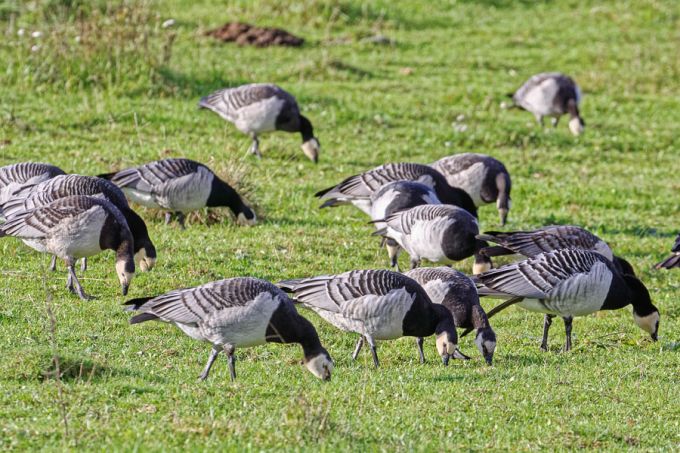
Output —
(554, 120)
(539, 120)
(567, 329)
(360, 343)
(393, 252)
(83, 265)
(213, 355)
(415, 263)
(374, 350)
(229, 350)
(72, 282)
(546, 327)
(168, 218)
(53, 263)
(419, 343)
(181, 218)
(255, 147)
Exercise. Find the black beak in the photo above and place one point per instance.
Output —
(655, 336)
(124, 288)
(445, 359)
(489, 359)
(459, 355)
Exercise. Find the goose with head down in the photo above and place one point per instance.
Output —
(457, 292)
(378, 305)
(484, 178)
(568, 283)
(180, 186)
(551, 94)
(235, 313)
(44, 193)
(257, 108)
(77, 227)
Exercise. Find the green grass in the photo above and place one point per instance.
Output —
(125, 387)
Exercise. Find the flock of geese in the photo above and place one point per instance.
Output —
(428, 211)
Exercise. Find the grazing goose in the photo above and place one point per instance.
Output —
(568, 283)
(12, 177)
(263, 107)
(398, 196)
(547, 239)
(358, 189)
(673, 260)
(236, 313)
(484, 178)
(378, 305)
(31, 197)
(437, 233)
(551, 94)
(77, 227)
(458, 293)
(180, 186)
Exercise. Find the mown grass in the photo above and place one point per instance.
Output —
(134, 387)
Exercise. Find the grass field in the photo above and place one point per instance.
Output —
(125, 92)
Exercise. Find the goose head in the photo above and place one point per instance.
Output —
(125, 270)
(577, 125)
(446, 336)
(645, 314)
(320, 364)
(486, 343)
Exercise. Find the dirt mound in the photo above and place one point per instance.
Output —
(246, 34)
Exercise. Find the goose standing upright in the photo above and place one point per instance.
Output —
(358, 189)
(263, 107)
(551, 94)
(77, 227)
(457, 292)
(33, 196)
(673, 260)
(550, 238)
(437, 233)
(568, 283)
(394, 197)
(179, 186)
(378, 305)
(13, 177)
(484, 178)
(236, 313)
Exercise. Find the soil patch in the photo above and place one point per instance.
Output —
(250, 35)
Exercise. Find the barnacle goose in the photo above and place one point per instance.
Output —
(263, 107)
(179, 186)
(437, 233)
(77, 227)
(551, 94)
(568, 283)
(236, 313)
(378, 305)
(358, 189)
(457, 292)
(34, 196)
(484, 178)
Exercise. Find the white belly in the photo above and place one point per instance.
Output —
(260, 116)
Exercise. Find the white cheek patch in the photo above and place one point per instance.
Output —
(444, 345)
(243, 221)
(320, 366)
(647, 323)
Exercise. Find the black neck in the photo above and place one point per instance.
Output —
(641, 300)
(479, 318)
(288, 326)
(306, 129)
(222, 194)
(572, 109)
